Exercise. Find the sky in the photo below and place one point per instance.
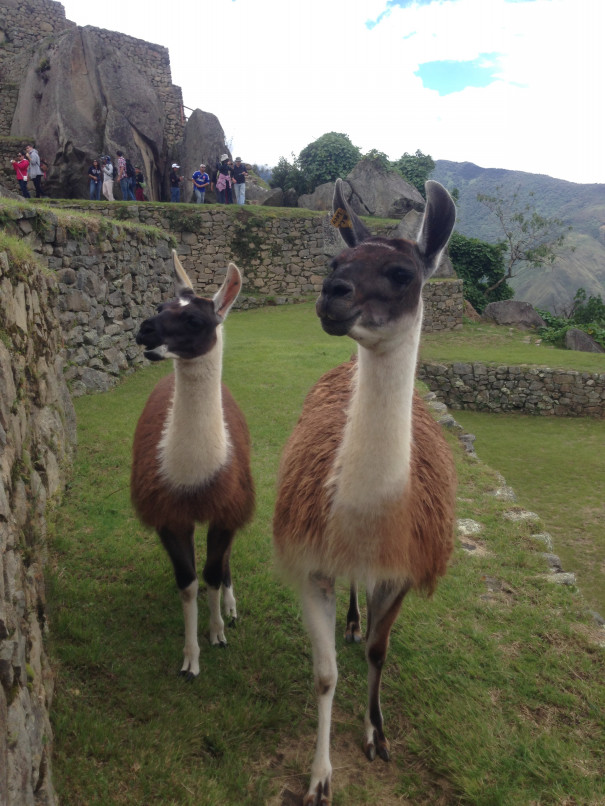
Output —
(516, 84)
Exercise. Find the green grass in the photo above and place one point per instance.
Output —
(498, 344)
(493, 690)
(557, 467)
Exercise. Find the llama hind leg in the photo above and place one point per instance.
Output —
(353, 631)
(384, 602)
(319, 610)
(217, 574)
(181, 550)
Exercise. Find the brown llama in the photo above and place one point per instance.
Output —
(191, 452)
(367, 483)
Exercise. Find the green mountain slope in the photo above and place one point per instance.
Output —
(581, 206)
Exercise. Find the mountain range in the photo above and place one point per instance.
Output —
(581, 265)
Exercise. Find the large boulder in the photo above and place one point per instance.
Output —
(320, 199)
(578, 340)
(380, 192)
(203, 141)
(513, 312)
(371, 190)
(90, 99)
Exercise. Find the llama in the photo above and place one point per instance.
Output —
(366, 486)
(191, 452)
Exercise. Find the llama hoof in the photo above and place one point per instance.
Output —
(232, 622)
(376, 746)
(383, 751)
(188, 676)
(319, 796)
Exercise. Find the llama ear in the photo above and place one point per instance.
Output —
(437, 225)
(351, 228)
(182, 281)
(227, 293)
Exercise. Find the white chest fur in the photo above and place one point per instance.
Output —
(195, 443)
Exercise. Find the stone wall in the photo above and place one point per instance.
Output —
(283, 259)
(528, 390)
(37, 435)
(109, 277)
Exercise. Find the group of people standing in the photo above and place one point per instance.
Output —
(229, 182)
(28, 166)
(229, 178)
(102, 174)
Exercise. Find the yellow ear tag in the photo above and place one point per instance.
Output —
(341, 219)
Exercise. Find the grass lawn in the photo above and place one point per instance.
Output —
(556, 466)
(493, 690)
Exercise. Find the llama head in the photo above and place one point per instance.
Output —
(186, 327)
(375, 284)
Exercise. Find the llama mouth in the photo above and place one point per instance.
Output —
(156, 353)
(338, 327)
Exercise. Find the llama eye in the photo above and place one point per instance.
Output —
(400, 276)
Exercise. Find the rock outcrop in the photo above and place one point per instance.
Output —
(513, 312)
(371, 190)
(579, 340)
(79, 93)
(203, 141)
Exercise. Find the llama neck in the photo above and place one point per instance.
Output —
(373, 463)
(195, 443)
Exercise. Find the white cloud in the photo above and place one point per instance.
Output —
(278, 75)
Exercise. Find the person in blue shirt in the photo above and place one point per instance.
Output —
(200, 180)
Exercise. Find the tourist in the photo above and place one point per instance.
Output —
(108, 178)
(175, 183)
(223, 180)
(127, 194)
(21, 166)
(35, 170)
(200, 180)
(239, 179)
(139, 188)
(95, 176)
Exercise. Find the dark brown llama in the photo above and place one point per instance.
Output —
(367, 482)
(191, 452)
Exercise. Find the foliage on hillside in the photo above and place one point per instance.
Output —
(333, 155)
(481, 266)
(587, 314)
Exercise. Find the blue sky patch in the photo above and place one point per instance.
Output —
(450, 76)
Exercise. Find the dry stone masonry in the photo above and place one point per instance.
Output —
(112, 274)
(528, 390)
(37, 435)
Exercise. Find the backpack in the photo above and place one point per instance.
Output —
(130, 172)
(115, 172)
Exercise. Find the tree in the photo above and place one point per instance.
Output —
(287, 175)
(415, 168)
(481, 266)
(331, 156)
(530, 240)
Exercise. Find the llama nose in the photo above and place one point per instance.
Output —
(338, 288)
(146, 332)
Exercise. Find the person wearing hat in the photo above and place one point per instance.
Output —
(239, 178)
(175, 183)
(200, 180)
(223, 179)
(108, 178)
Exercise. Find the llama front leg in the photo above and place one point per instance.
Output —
(217, 574)
(319, 611)
(181, 550)
(384, 602)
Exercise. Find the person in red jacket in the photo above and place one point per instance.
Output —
(21, 166)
